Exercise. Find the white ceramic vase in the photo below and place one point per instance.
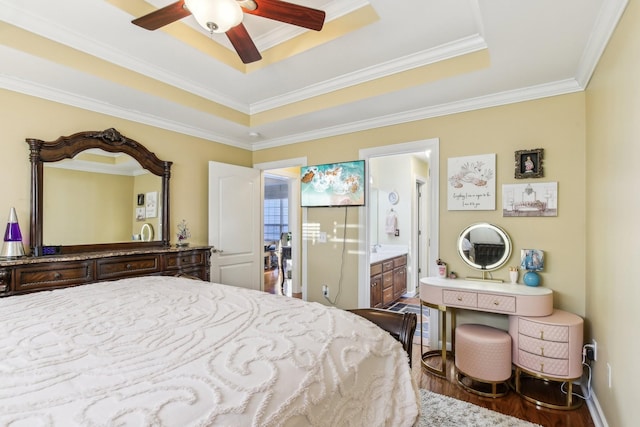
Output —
(513, 276)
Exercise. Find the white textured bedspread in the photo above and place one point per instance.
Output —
(166, 351)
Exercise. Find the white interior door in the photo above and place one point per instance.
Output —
(235, 220)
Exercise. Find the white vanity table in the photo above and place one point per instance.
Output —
(446, 295)
(546, 342)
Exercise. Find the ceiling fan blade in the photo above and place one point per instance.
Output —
(241, 41)
(163, 16)
(290, 13)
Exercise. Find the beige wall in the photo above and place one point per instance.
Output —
(555, 124)
(613, 257)
(28, 117)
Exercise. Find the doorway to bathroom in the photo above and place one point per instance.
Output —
(402, 212)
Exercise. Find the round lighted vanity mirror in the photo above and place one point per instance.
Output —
(484, 246)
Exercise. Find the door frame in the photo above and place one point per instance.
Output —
(433, 186)
(297, 274)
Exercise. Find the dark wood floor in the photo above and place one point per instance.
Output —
(271, 283)
(511, 404)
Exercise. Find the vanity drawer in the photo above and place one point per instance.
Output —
(387, 280)
(185, 259)
(400, 261)
(497, 303)
(460, 298)
(387, 265)
(543, 331)
(53, 275)
(112, 268)
(556, 350)
(543, 365)
(375, 269)
(387, 295)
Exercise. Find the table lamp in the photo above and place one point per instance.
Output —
(12, 246)
(531, 260)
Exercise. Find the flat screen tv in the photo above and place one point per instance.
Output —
(333, 184)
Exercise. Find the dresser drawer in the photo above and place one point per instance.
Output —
(184, 260)
(53, 275)
(460, 298)
(497, 303)
(543, 331)
(556, 350)
(112, 268)
(543, 365)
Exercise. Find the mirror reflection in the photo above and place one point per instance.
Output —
(99, 197)
(484, 246)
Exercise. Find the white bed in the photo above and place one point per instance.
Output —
(166, 351)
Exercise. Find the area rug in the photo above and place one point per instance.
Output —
(414, 308)
(443, 411)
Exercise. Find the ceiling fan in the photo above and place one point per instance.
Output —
(225, 16)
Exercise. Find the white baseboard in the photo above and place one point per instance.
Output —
(596, 411)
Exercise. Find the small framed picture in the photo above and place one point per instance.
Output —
(151, 204)
(140, 214)
(529, 163)
(141, 199)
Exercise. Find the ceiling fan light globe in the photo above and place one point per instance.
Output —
(215, 16)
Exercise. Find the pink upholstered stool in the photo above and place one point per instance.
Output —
(483, 357)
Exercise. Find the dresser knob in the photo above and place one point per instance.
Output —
(542, 351)
(496, 303)
(57, 275)
(128, 266)
(459, 298)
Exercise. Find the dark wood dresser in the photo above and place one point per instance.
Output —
(28, 274)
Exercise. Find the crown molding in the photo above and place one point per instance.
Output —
(605, 25)
(488, 101)
(446, 51)
(90, 104)
(22, 18)
(282, 33)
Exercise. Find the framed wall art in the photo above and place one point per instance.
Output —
(151, 204)
(533, 199)
(529, 163)
(472, 183)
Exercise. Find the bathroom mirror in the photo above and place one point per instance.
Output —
(484, 247)
(151, 175)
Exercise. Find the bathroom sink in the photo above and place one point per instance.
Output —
(385, 252)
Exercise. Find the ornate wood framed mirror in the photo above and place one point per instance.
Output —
(72, 215)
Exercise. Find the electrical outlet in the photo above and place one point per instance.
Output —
(595, 349)
(325, 291)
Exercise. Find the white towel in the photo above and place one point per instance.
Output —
(391, 224)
